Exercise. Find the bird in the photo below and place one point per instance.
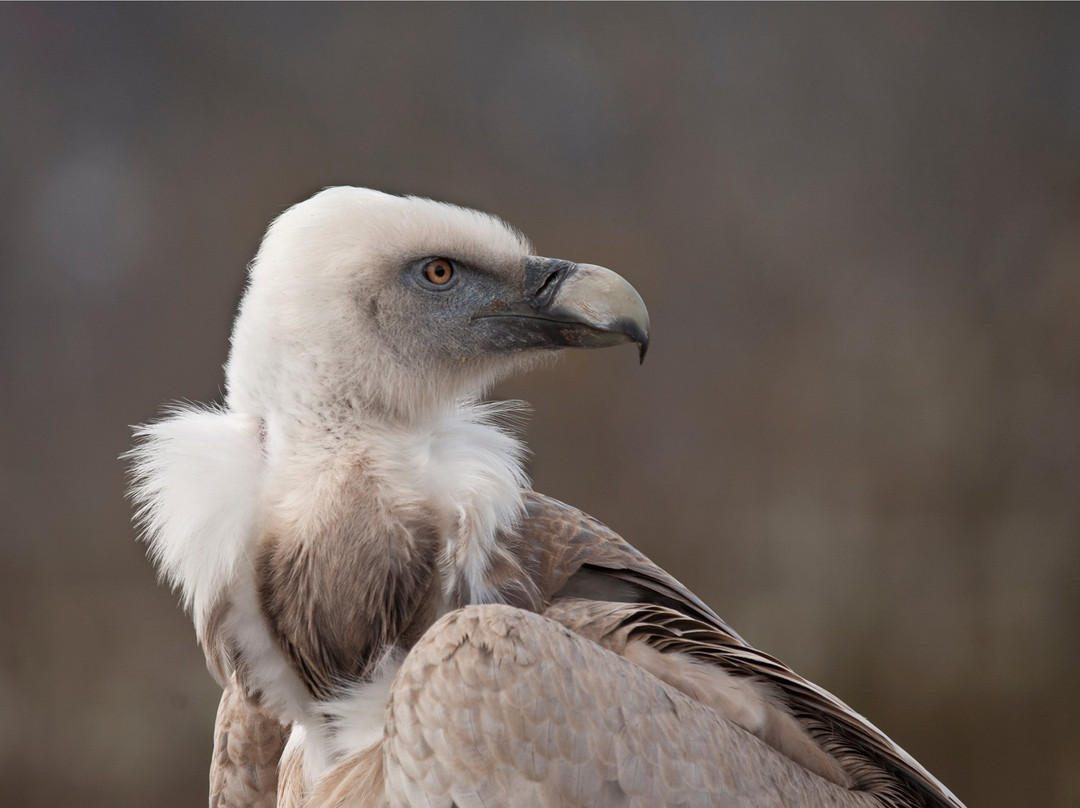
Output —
(394, 616)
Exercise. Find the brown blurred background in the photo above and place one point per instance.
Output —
(857, 433)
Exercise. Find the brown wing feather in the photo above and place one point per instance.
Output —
(571, 553)
(247, 747)
(561, 546)
(499, 706)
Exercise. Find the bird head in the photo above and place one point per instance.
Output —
(364, 302)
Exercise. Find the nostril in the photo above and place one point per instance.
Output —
(548, 286)
(543, 277)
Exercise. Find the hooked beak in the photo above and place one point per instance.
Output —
(568, 305)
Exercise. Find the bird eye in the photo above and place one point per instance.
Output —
(438, 271)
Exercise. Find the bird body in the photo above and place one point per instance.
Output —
(395, 618)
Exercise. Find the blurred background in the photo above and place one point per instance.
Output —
(857, 434)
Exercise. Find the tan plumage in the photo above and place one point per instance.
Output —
(371, 578)
(493, 706)
(247, 748)
(547, 717)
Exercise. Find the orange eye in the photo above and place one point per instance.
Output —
(438, 271)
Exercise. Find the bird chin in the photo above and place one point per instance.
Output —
(506, 364)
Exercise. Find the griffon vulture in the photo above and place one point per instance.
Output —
(395, 617)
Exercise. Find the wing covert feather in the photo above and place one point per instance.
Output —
(566, 542)
(247, 747)
(499, 706)
(555, 542)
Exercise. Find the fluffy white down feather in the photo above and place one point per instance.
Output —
(197, 478)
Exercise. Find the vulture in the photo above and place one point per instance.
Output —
(395, 617)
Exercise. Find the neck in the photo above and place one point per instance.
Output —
(458, 463)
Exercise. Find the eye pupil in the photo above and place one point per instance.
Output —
(438, 271)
